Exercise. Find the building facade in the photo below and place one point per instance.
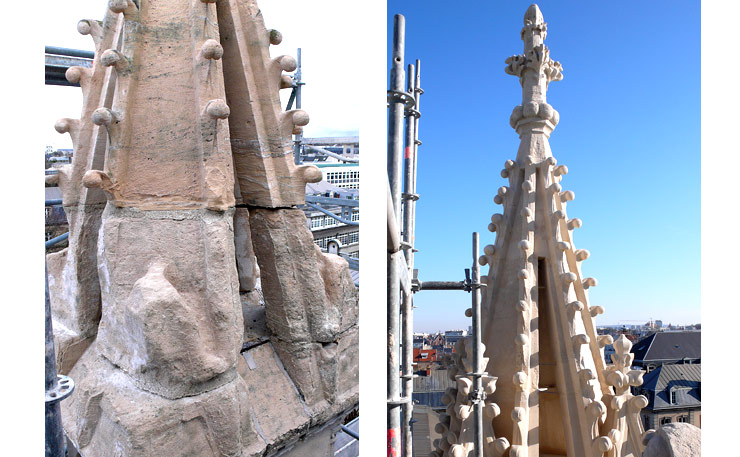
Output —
(341, 180)
(674, 395)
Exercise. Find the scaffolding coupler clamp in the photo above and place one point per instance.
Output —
(397, 96)
(63, 389)
(477, 396)
(469, 285)
(412, 112)
(409, 196)
(398, 401)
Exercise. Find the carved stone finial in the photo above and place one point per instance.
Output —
(535, 70)
(533, 15)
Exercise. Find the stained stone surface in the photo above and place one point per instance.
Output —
(172, 317)
(260, 131)
(295, 294)
(168, 357)
(109, 415)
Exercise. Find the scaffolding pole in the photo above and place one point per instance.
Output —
(407, 308)
(395, 146)
(58, 387)
(298, 83)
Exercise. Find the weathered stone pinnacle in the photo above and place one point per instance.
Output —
(181, 122)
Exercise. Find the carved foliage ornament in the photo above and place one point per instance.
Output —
(537, 59)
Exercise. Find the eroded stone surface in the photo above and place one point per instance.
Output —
(110, 416)
(172, 316)
(310, 302)
(674, 440)
(162, 373)
(295, 294)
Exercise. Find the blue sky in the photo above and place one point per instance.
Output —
(629, 133)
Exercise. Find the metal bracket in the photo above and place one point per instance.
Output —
(412, 112)
(398, 401)
(407, 196)
(477, 396)
(63, 389)
(468, 282)
(397, 96)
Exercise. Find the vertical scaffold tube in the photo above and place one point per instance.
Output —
(407, 308)
(395, 146)
(417, 96)
(56, 445)
(299, 137)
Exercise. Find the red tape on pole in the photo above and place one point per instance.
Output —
(393, 442)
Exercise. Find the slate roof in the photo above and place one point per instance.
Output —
(667, 346)
(684, 379)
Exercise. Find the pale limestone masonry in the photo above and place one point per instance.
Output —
(549, 392)
(181, 200)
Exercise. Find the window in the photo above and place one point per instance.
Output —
(683, 418)
(674, 400)
(665, 420)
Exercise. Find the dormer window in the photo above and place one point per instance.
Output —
(674, 399)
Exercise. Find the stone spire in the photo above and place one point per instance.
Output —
(554, 394)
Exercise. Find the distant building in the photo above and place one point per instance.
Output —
(674, 395)
(608, 351)
(345, 175)
(330, 234)
(667, 348)
(424, 359)
(55, 219)
(57, 158)
(453, 336)
(346, 146)
(438, 341)
(422, 341)
(341, 180)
